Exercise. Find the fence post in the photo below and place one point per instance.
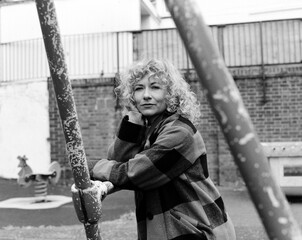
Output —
(234, 121)
(63, 91)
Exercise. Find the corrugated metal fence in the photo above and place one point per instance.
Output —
(89, 55)
(92, 55)
(249, 44)
(277, 42)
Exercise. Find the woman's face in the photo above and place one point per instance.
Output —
(149, 96)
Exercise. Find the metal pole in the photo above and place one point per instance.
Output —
(63, 90)
(234, 120)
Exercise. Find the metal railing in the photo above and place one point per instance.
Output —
(87, 56)
(246, 44)
(93, 55)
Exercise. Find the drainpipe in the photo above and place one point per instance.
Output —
(264, 100)
(1, 54)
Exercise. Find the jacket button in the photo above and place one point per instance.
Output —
(149, 215)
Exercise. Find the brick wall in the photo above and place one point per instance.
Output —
(98, 117)
(273, 100)
(274, 103)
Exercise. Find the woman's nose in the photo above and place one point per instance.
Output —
(147, 93)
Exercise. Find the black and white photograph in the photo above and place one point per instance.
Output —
(150, 120)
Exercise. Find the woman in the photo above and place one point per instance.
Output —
(160, 155)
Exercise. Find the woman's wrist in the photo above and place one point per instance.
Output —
(135, 117)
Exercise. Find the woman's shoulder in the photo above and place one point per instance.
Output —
(178, 132)
(177, 120)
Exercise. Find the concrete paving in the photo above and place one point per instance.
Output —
(241, 209)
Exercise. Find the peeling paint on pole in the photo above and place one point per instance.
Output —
(225, 100)
(63, 90)
(66, 105)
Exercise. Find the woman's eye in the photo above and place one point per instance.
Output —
(138, 88)
(156, 87)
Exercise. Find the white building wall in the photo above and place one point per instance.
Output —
(24, 127)
(20, 22)
(219, 12)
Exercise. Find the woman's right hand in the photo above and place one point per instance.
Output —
(134, 115)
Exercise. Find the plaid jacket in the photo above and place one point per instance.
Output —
(166, 165)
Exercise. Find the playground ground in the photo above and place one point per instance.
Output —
(118, 221)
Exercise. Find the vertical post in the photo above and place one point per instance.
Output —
(264, 100)
(234, 120)
(118, 52)
(1, 54)
(63, 91)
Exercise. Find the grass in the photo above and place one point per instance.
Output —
(123, 228)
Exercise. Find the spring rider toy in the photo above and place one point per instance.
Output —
(40, 179)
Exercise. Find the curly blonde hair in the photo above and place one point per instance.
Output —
(180, 98)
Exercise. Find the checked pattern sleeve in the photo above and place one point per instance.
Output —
(126, 144)
(175, 149)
